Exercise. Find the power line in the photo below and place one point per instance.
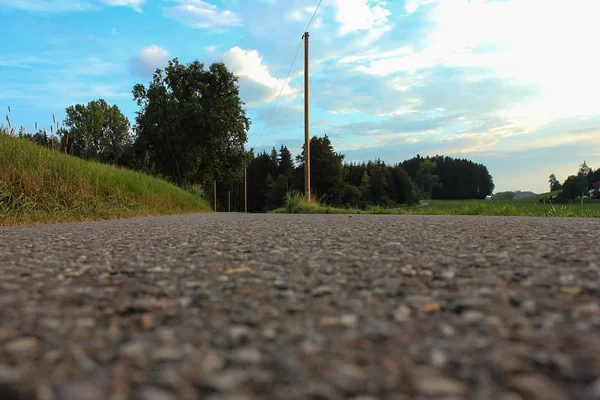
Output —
(313, 16)
(280, 92)
(288, 75)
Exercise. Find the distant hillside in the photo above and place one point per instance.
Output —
(512, 195)
(536, 198)
(523, 195)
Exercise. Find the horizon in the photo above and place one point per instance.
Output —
(476, 80)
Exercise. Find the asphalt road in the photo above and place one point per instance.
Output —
(229, 306)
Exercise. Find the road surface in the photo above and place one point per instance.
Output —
(230, 306)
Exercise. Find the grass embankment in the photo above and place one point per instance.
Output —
(39, 185)
(297, 204)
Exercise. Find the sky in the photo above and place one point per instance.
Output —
(512, 84)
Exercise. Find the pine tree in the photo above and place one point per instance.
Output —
(285, 164)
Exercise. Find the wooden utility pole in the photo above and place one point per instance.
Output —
(245, 192)
(215, 193)
(306, 120)
(229, 201)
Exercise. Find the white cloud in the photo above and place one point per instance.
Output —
(300, 14)
(135, 4)
(284, 115)
(412, 6)
(360, 15)
(257, 85)
(60, 94)
(24, 61)
(50, 6)
(149, 59)
(200, 14)
(59, 6)
(498, 40)
(295, 15)
(93, 66)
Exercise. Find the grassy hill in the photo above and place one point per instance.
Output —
(43, 185)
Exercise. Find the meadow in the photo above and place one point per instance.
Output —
(296, 203)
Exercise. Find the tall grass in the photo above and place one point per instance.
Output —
(297, 203)
(43, 185)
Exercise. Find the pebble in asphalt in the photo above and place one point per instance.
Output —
(230, 306)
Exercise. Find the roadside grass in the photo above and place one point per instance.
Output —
(297, 204)
(39, 185)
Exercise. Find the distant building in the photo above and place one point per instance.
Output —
(595, 192)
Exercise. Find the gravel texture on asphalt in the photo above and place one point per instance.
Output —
(230, 306)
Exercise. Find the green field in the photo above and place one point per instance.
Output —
(39, 185)
(530, 206)
(523, 207)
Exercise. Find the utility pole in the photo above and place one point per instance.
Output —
(306, 119)
(245, 192)
(215, 193)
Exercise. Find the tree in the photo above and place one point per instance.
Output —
(587, 173)
(276, 192)
(584, 170)
(259, 178)
(365, 187)
(426, 177)
(554, 183)
(378, 183)
(192, 123)
(596, 176)
(41, 138)
(96, 131)
(286, 165)
(274, 165)
(327, 171)
(574, 186)
(352, 196)
(354, 173)
(401, 189)
(458, 179)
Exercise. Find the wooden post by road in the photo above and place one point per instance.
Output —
(245, 192)
(215, 193)
(306, 120)
(229, 201)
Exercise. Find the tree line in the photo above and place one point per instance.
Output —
(191, 129)
(360, 185)
(575, 186)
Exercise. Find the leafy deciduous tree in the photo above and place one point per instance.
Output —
(574, 186)
(192, 122)
(96, 131)
(554, 183)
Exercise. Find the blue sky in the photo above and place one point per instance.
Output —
(513, 84)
